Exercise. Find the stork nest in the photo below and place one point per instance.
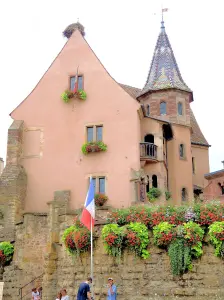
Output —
(71, 28)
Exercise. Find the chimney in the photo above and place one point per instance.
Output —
(222, 163)
(1, 165)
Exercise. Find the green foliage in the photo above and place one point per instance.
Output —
(180, 256)
(167, 195)
(67, 95)
(193, 233)
(137, 239)
(113, 236)
(64, 97)
(163, 234)
(154, 193)
(7, 249)
(196, 250)
(82, 94)
(93, 147)
(216, 236)
(76, 239)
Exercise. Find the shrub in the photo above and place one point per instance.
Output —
(6, 252)
(216, 235)
(137, 239)
(167, 195)
(100, 199)
(209, 213)
(93, 147)
(154, 193)
(76, 239)
(113, 236)
(163, 234)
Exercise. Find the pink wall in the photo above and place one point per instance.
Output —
(58, 162)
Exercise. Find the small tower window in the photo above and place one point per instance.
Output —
(73, 80)
(148, 109)
(163, 108)
(181, 150)
(193, 165)
(180, 109)
(184, 194)
(154, 181)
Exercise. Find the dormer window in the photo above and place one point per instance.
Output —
(163, 108)
(148, 109)
(180, 109)
(73, 80)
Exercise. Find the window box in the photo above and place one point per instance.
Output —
(100, 199)
(91, 147)
(68, 95)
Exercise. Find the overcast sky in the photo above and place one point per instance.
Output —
(123, 35)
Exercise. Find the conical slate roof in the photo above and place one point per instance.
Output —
(164, 72)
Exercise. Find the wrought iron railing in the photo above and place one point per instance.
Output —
(148, 150)
(26, 290)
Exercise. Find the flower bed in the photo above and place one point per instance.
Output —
(204, 214)
(93, 147)
(179, 230)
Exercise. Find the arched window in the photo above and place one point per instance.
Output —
(184, 194)
(163, 108)
(148, 109)
(154, 181)
(147, 185)
(180, 108)
(181, 150)
(221, 187)
(149, 138)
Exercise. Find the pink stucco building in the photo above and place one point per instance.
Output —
(152, 136)
(215, 186)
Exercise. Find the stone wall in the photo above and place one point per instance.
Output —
(28, 261)
(38, 249)
(140, 280)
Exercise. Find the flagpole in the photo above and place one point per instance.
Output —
(91, 255)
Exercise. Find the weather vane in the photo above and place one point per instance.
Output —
(164, 10)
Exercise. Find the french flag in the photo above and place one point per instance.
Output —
(88, 213)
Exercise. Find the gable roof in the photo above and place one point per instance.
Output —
(197, 137)
(164, 72)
